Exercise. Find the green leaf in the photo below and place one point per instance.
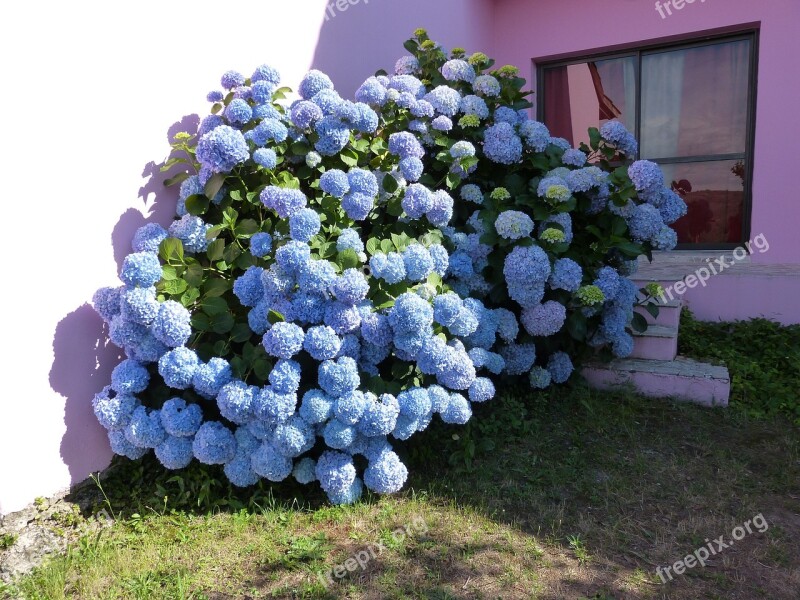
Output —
(300, 148)
(373, 246)
(349, 157)
(273, 316)
(390, 184)
(214, 231)
(171, 248)
(246, 228)
(231, 253)
(453, 179)
(653, 309)
(387, 246)
(348, 259)
(214, 306)
(175, 287)
(168, 273)
(262, 369)
(194, 275)
(639, 323)
(222, 323)
(241, 332)
(190, 296)
(411, 45)
(577, 326)
(215, 108)
(176, 179)
(216, 287)
(594, 138)
(214, 185)
(197, 204)
(215, 249)
(201, 322)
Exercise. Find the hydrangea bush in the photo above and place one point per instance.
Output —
(342, 272)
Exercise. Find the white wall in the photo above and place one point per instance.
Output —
(89, 93)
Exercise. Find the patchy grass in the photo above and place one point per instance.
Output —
(569, 494)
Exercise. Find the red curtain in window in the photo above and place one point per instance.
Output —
(558, 114)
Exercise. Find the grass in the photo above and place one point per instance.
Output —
(571, 493)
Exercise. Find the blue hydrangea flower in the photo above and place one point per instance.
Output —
(172, 324)
(506, 114)
(553, 189)
(144, 429)
(239, 471)
(386, 474)
(129, 377)
(175, 452)
(313, 83)
(483, 359)
(270, 464)
(266, 73)
(445, 100)
(458, 70)
(560, 366)
(486, 85)
(222, 148)
(235, 402)
(583, 180)
(567, 275)
(232, 79)
(616, 133)
(349, 239)
(622, 346)
(446, 308)
(248, 287)
(333, 136)
(405, 145)
(304, 225)
(442, 123)
(481, 390)
(672, 208)
(209, 378)
(238, 111)
(539, 378)
(260, 244)
(342, 318)
(645, 222)
(283, 340)
(294, 437)
(357, 206)
(335, 183)
(411, 167)
(350, 287)
(177, 367)
(322, 343)
(513, 225)
(141, 269)
(545, 319)
(139, 305)
(379, 417)
(273, 407)
(106, 302)
(305, 471)
(293, 257)
(363, 182)
(462, 149)
(574, 158)
(665, 239)
(474, 105)
(525, 264)
(269, 129)
(335, 472)
(457, 411)
(339, 377)
(519, 358)
(472, 193)
(407, 83)
(406, 65)
(305, 114)
(126, 333)
(371, 92)
(417, 200)
(608, 281)
(458, 372)
(148, 238)
(418, 262)
(646, 176)
(114, 413)
(191, 231)
(180, 419)
(284, 201)
(215, 96)
(266, 158)
(316, 407)
(441, 260)
(410, 314)
(502, 145)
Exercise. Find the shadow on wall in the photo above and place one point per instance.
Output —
(358, 37)
(84, 357)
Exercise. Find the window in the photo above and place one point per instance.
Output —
(691, 108)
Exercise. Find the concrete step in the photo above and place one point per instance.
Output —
(682, 379)
(659, 342)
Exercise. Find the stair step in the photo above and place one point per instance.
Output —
(659, 342)
(682, 379)
(658, 331)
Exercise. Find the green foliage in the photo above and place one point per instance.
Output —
(762, 357)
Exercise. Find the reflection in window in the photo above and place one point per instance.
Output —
(693, 119)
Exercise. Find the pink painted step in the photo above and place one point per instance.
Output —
(659, 342)
(669, 313)
(680, 379)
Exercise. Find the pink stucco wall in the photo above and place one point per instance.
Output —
(526, 31)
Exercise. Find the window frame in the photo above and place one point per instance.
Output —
(638, 52)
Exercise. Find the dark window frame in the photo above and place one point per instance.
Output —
(751, 34)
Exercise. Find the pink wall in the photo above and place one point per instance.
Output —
(525, 31)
